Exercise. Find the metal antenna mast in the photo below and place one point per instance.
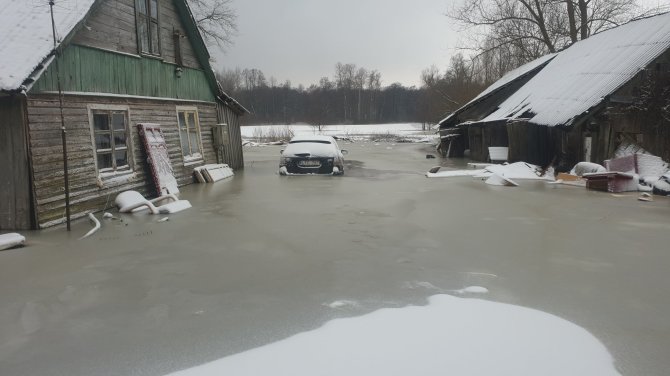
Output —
(62, 119)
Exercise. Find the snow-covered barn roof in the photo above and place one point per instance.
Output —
(26, 35)
(508, 78)
(582, 76)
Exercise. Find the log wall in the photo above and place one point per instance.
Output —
(88, 191)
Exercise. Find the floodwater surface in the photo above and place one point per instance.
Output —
(260, 258)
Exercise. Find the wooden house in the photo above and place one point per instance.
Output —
(118, 63)
(601, 95)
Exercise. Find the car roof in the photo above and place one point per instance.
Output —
(313, 138)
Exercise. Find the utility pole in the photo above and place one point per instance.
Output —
(63, 132)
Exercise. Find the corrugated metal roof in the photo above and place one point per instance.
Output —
(26, 36)
(508, 78)
(580, 77)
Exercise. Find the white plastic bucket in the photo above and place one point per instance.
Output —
(498, 153)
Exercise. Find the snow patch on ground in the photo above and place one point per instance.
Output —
(449, 336)
(341, 304)
(473, 290)
(406, 132)
(421, 284)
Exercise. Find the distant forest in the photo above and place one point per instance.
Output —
(354, 95)
(502, 35)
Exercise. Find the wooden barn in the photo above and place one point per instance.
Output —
(456, 134)
(118, 63)
(587, 103)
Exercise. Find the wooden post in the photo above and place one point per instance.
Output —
(63, 132)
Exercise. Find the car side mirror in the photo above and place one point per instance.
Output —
(344, 152)
(281, 151)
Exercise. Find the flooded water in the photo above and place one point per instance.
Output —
(261, 257)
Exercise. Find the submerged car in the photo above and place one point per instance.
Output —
(312, 155)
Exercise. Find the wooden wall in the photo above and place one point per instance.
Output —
(15, 193)
(637, 112)
(86, 69)
(526, 142)
(483, 135)
(88, 193)
(232, 154)
(533, 143)
(112, 26)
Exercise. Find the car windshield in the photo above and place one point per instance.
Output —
(310, 142)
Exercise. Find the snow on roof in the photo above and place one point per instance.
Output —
(581, 76)
(312, 138)
(509, 77)
(26, 36)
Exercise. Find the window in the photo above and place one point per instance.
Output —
(110, 140)
(148, 31)
(189, 133)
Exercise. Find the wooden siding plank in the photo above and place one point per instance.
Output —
(15, 193)
(233, 153)
(91, 70)
(113, 27)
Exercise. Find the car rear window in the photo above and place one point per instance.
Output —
(310, 142)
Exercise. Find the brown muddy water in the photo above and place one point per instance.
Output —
(262, 257)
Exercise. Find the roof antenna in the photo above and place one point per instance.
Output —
(63, 132)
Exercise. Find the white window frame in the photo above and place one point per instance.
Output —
(107, 173)
(188, 156)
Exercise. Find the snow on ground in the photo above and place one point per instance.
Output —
(449, 336)
(341, 304)
(411, 131)
(473, 290)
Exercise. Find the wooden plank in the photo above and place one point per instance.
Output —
(92, 70)
(16, 210)
(111, 27)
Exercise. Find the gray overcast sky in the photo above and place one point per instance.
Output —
(302, 40)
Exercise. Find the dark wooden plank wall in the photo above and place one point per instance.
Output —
(15, 193)
(475, 140)
(113, 27)
(234, 154)
(87, 192)
(483, 135)
(648, 130)
(628, 115)
(533, 144)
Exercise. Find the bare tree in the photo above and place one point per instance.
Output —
(531, 28)
(451, 90)
(374, 83)
(374, 80)
(253, 78)
(216, 19)
(344, 78)
(231, 80)
(359, 84)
